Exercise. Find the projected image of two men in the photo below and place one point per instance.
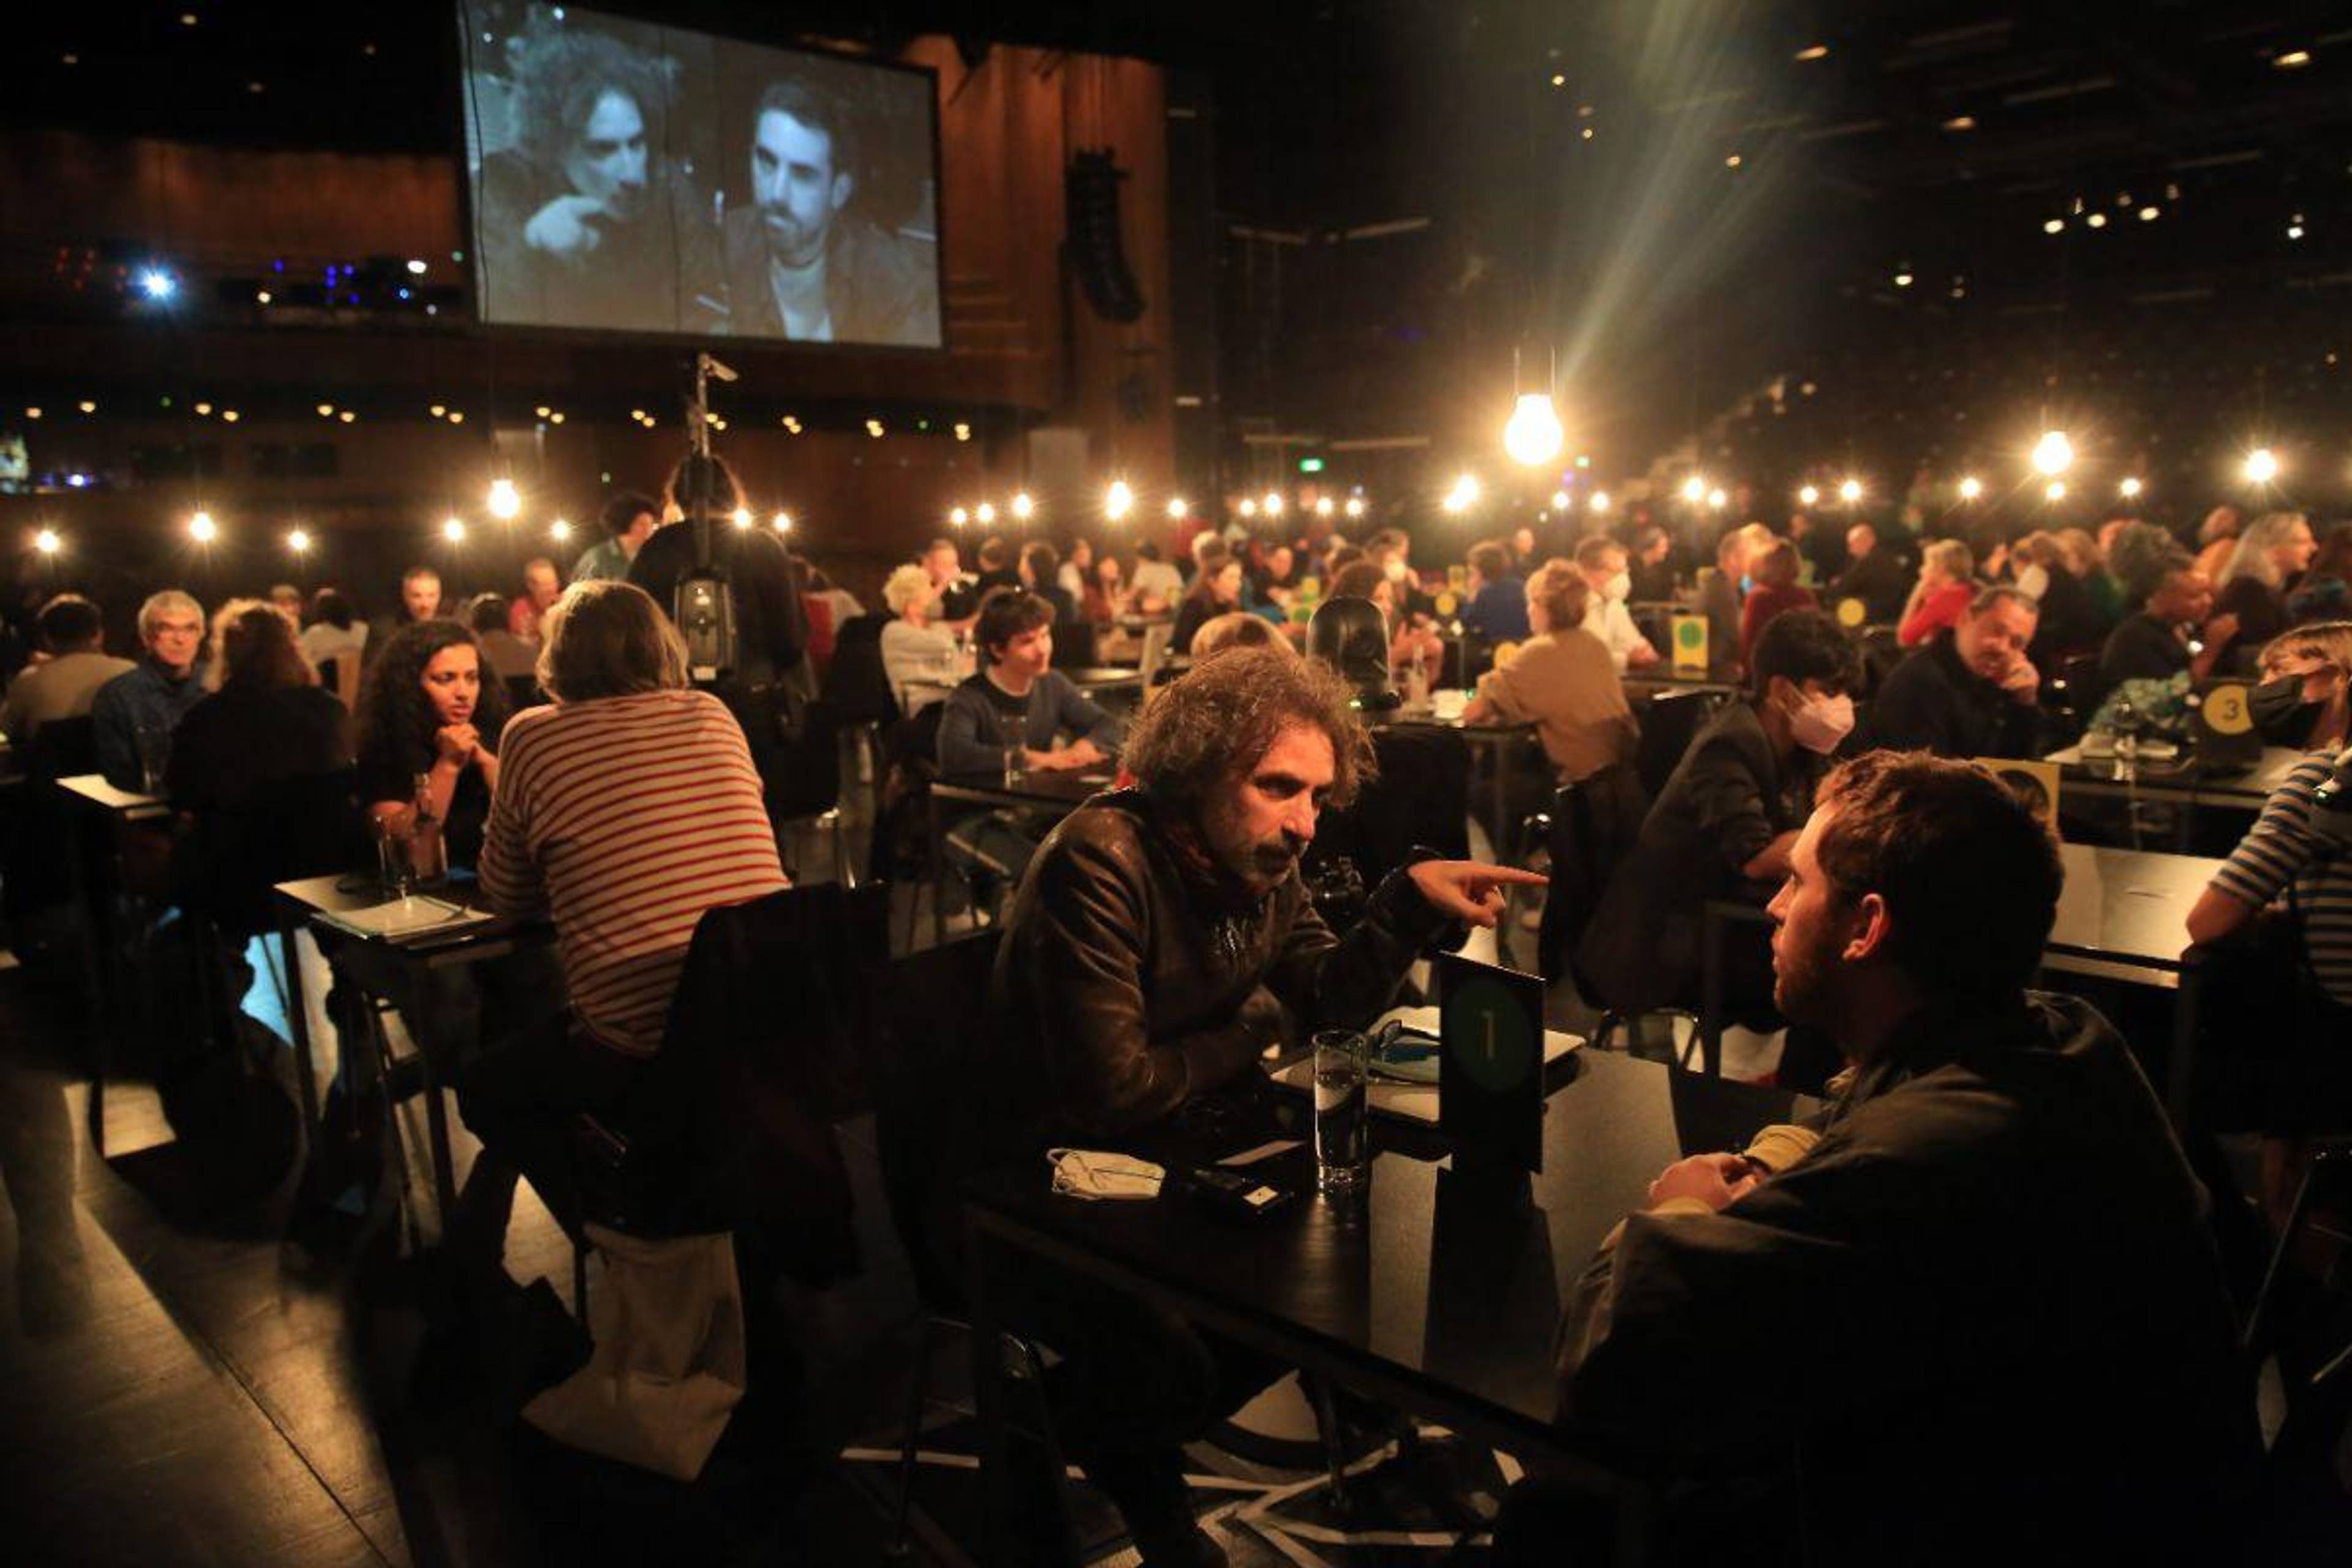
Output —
(628, 177)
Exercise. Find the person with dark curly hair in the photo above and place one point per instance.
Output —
(1148, 961)
(431, 709)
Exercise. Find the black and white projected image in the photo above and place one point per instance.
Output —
(630, 177)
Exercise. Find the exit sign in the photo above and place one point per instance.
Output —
(1310, 465)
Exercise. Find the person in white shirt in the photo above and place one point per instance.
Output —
(922, 661)
(1602, 562)
(1155, 584)
(63, 684)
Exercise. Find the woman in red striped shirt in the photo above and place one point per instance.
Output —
(623, 812)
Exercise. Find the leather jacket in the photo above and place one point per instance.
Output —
(1133, 976)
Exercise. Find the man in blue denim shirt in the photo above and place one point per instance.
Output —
(152, 699)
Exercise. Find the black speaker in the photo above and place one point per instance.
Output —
(1096, 251)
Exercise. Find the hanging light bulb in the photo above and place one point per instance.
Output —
(299, 541)
(559, 531)
(506, 502)
(2262, 465)
(781, 522)
(985, 513)
(453, 529)
(1695, 489)
(1324, 507)
(2130, 489)
(1850, 492)
(1118, 500)
(1177, 508)
(740, 516)
(1532, 434)
(958, 516)
(46, 541)
(2055, 490)
(1247, 508)
(1272, 504)
(201, 529)
(2054, 454)
(1559, 500)
(1808, 495)
(1355, 507)
(1716, 498)
(1600, 501)
(1970, 488)
(1022, 507)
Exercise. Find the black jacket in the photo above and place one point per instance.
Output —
(1982, 1318)
(1934, 702)
(2140, 648)
(879, 287)
(1879, 580)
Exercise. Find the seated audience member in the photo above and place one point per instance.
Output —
(134, 715)
(2325, 592)
(1217, 591)
(1775, 591)
(1392, 550)
(623, 812)
(1821, 548)
(2175, 629)
(1412, 639)
(1874, 575)
(770, 626)
(1105, 596)
(2066, 622)
(922, 660)
(64, 683)
(2289, 883)
(1041, 575)
(1012, 717)
(1976, 1295)
(1947, 585)
(958, 600)
(1234, 629)
(1602, 561)
(629, 519)
(432, 711)
(1971, 692)
(264, 718)
(1147, 959)
(1155, 584)
(1563, 681)
(2271, 557)
(1525, 554)
(1653, 566)
(335, 642)
(1276, 581)
(1723, 825)
(2217, 540)
(420, 600)
(1721, 592)
(1498, 610)
(1075, 570)
(2086, 552)
(541, 588)
(996, 568)
(287, 600)
(505, 656)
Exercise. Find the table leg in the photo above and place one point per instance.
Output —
(437, 1112)
(987, 1393)
(94, 987)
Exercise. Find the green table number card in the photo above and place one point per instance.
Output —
(1490, 1074)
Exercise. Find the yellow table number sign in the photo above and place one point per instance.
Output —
(1690, 645)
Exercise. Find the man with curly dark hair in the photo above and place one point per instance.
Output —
(1159, 944)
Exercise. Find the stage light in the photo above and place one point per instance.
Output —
(1970, 488)
(453, 529)
(505, 501)
(2055, 490)
(416, 266)
(1716, 497)
(1850, 492)
(78, 481)
(201, 529)
(781, 522)
(1600, 501)
(46, 541)
(1272, 504)
(2262, 465)
(985, 513)
(740, 516)
(1022, 507)
(299, 541)
(1118, 500)
(1532, 434)
(2054, 454)
(2129, 489)
(1695, 489)
(1355, 507)
(1808, 495)
(2053, 225)
(958, 517)
(158, 284)
(1559, 500)
(1247, 508)
(1177, 508)
(559, 531)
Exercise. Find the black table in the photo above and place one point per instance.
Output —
(111, 813)
(2184, 782)
(1644, 686)
(1055, 794)
(1433, 1295)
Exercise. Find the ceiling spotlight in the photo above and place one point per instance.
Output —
(792, 424)
(346, 416)
(1716, 498)
(299, 542)
(326, 411)
(1118, 500)
(1325, 506)
(1600, 501)
(1355, 507)
(1808, 494)
(201, 529)
(958, 517)
(441, 410)
(1961, 122)
(46, 541)
(1812, 52)
(2097, 220)
(2292, 59)
(35, 413)
(2054, 454)
(1177, 508)
(781, 522)
(2129, 489)
(1247, 508)
(1694, 489)
(87, 406)
(453, 529)
(1972, 487)
(740, 516)
(1022, 507)
(1902, 279)
(158, 284)
(2054, 491)
(2262, 465)
(505, 501)
(559, 531)
(1463, 496)
(556, 417)
(1532, 434)
(457, 416)
(1732, 162)
(2149, 215)
(416, 267)
(540, 412)
(2294, 227)
(963, 431)
(1272, 504)
(874, 428)
(261, 296)
(1850, 492)
(229, 417)
(1559, 500)
(2053, 225)
(985, 513)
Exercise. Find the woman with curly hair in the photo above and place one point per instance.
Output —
(431, 711)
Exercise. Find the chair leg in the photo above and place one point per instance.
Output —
(1335, 1454)
(1030, 1369)
(911, 1434)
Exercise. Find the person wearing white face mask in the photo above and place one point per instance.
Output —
(1602, 562)
(1724, 824)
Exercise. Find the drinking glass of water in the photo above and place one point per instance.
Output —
(1343, 1145)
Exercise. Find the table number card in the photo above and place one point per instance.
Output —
(1490, 1071)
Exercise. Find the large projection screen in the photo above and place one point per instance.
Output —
(630, 177)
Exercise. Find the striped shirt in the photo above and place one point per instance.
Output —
(2282, 850)
(624, 819)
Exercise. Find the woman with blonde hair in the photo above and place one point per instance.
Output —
(1947, 585)
(922, 661)
(2271, 555)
